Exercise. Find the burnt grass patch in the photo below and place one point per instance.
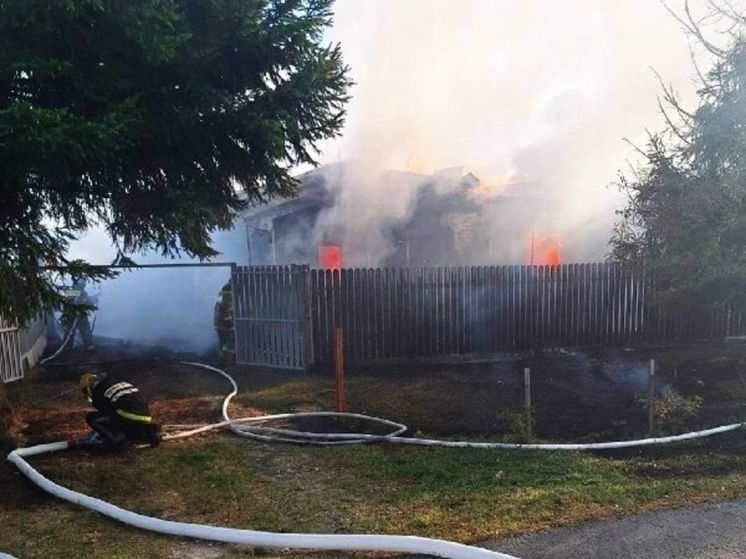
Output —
(580, 396)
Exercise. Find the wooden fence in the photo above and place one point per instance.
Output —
(389, 313)
(289, 314)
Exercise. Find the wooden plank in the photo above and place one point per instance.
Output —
(528, 302)
(448, 309)
(457, 316)
(389, 282)
(540, 305)
(489, 316)
(602, 317)
(259, 355)
(523, 301)
(374, 318)
(246, 338)
(256, 310)
(344, 311)
(508, 308)
(276, 285)
(328, 315)
(439, 311)
(366, 331)
(585, 272)
(408, 329)
(442, 311)
(610, 296)
(400, 314)
(605, 300)
(266, 335)
(621, 305)
(502, 315)
(432, 311)
(433, 316)
(575, 320)
(473, 309)
(463, 310)
(389, 292)
(356, 335)
(286, 330)
(317, 313)
(477, 320)
(468, 330)
(552, 309)
(593, 303)
(636, 307)
(380, 318)
(587, 303)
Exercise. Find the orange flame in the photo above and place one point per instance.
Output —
(543, 249)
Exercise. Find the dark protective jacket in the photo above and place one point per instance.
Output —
(121, 398)
(223, 312)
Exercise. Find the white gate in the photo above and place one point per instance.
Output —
(270, 306)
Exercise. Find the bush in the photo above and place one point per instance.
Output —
(672, 411)
(513, 425)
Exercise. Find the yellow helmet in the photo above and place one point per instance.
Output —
(87, 380)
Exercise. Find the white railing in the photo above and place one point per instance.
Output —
(33, 342)
(21, 348)
(11, 367)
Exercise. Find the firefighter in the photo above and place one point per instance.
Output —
(77, 295)
(223, 322)
(122, 417)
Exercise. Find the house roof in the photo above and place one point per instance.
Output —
(312, 193)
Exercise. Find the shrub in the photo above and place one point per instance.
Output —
(673, 412)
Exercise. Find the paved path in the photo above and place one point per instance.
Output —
(703, 532)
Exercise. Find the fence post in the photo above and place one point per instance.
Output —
(339, 373)
(527, 385)
(651, 397)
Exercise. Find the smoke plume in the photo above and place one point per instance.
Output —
(535, 92)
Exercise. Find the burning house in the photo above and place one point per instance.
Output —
(452, 219)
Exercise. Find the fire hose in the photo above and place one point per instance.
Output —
(65, 341)
(251, 427)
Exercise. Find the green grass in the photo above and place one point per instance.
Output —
(454, 494)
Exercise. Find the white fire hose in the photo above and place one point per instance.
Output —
(65, 341)
(251, 427)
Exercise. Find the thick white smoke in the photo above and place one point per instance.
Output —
(539, 90)
(170, 307)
